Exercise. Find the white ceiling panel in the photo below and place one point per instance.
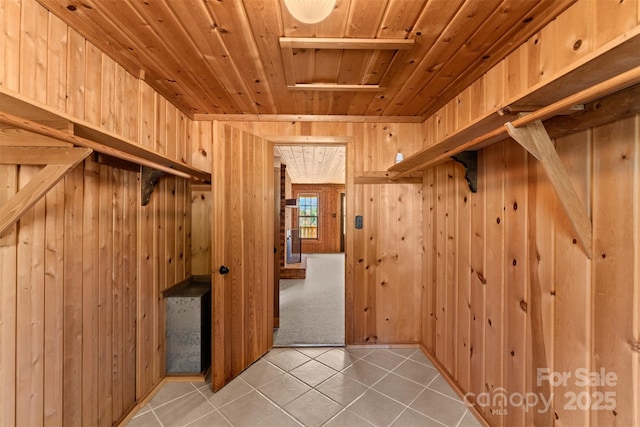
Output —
(313, 164)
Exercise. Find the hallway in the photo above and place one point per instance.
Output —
(317, 387)
(312, 309)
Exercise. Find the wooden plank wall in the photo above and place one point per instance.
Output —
(329, 219)
(201, 205)
(383, 271)
(508, 290)
(81, 322)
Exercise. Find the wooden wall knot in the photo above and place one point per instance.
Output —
(481, 278)
(635, 346)
(577, 44)
(523, 306)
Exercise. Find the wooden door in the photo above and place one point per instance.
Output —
(243, 215)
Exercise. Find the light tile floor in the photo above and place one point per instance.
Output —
(317, 387)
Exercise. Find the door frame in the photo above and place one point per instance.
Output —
(343, 219)
(348, 143)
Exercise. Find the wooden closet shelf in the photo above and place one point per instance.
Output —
(19, 112)
(609, 69)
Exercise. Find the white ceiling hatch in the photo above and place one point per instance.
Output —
(313, 164)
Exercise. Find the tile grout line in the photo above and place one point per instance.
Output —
(233, 400)
(424, 415)
(353, 359)
(157, 417)
(370, 388)
(215, 409)
(174, 399)
(443, 394)
(314, 388)
(198, 391)
(269, 399)
(463, 417)
(406, 406)
(281, 408)
(345, 410)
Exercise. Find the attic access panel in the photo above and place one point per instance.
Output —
(336, 64)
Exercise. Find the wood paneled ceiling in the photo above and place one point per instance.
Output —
(227, 56)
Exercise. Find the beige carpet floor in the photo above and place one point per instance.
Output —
(312, 310)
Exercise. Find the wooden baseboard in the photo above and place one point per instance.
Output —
(454, 385)
(378, 346)
(293, 273)
(188, 378)
(141, 403)
(192, 378)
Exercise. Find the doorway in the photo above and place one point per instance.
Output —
(311, 308)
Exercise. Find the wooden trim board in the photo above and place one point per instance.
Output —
(306, 118)
(344, 43)
(385, 177)
(331, 87)
(534, 138)
(452, 383)
(37, 155)
(475, 136)
(288, 44)
(37, 187)
(308, 139)
(22, 113)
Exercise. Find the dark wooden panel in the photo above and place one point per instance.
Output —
(329, 216)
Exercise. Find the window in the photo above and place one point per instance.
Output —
(308, 216)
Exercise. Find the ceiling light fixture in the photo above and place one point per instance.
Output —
(310, 11)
